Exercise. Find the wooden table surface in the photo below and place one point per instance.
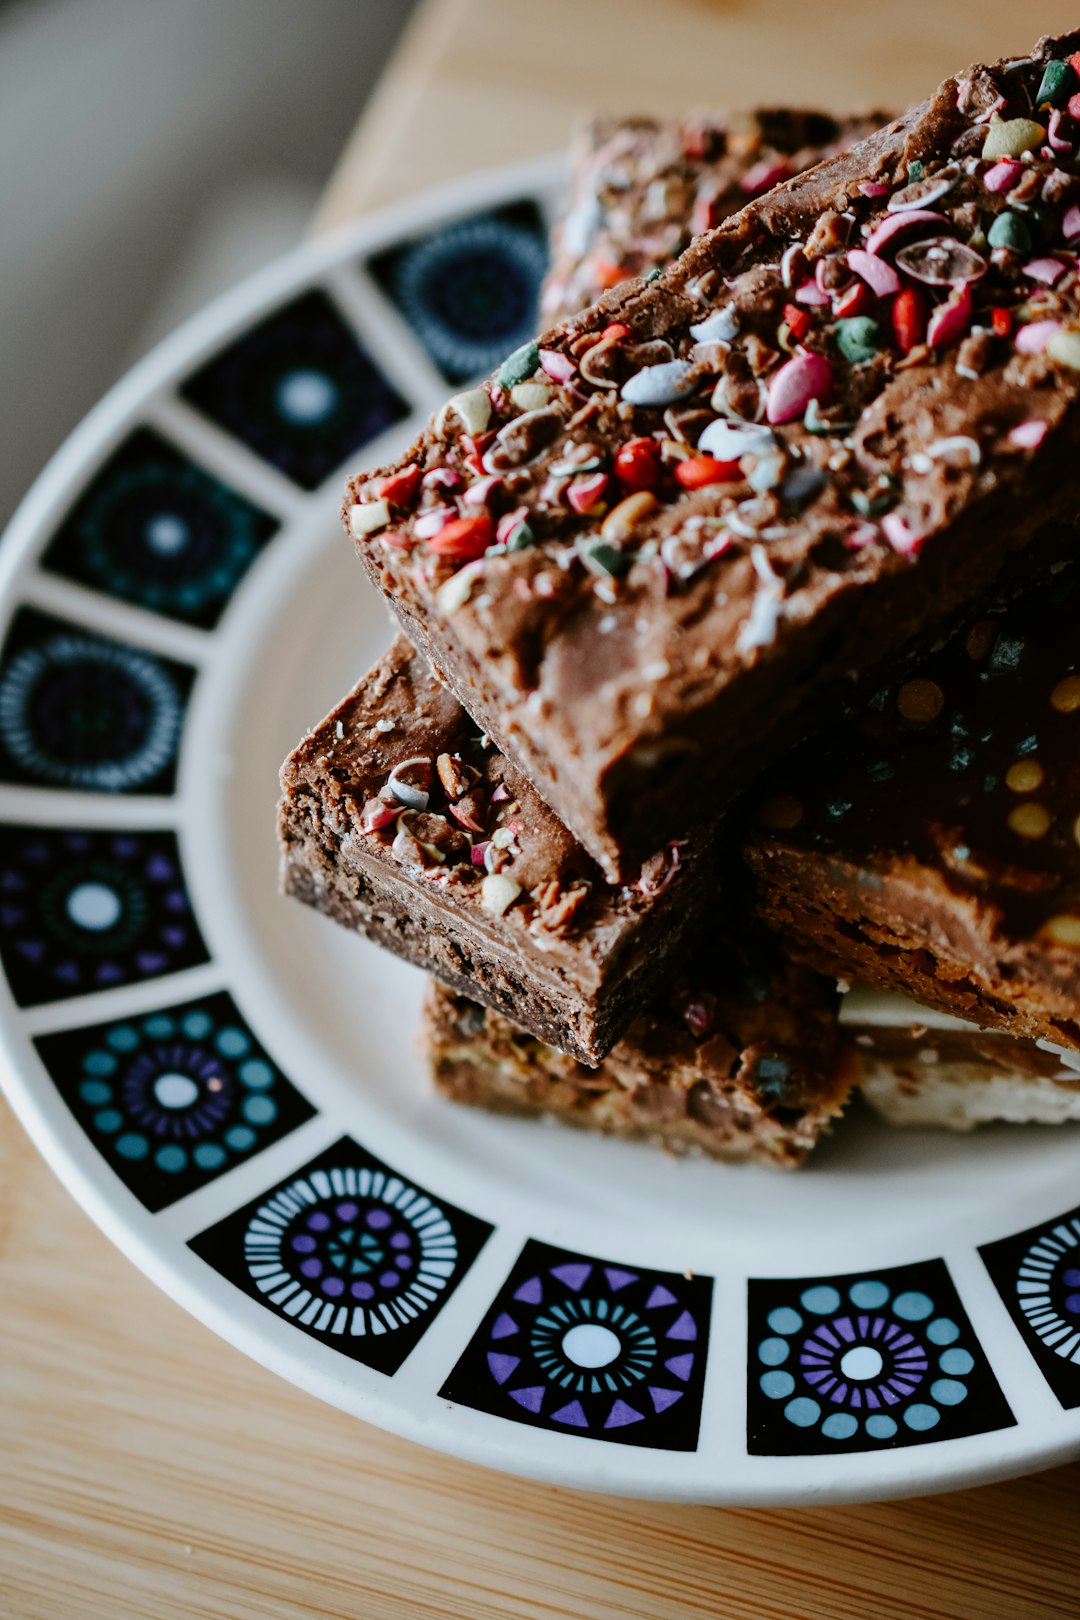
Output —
(149, 1470)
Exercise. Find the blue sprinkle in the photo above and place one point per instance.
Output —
(1028, 746)
(960, 760)
(1007, 653)
(989, 783)
(837, 808)
(881, 771)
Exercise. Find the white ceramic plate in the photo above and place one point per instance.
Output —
(228, 1085)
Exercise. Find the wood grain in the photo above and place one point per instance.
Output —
(149, 1470)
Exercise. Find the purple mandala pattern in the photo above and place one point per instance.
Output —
(584, 1347)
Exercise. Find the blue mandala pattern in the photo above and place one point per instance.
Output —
(857, 1363)
(299, 390)
(85, 713)
(1037, 1273)
(83, 911)
(470, 291)
(584, 1347)
(351, 1252)
(157, 530)
(174, 1098)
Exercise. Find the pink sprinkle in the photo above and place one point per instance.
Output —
(429, 523)
(477, 494)
(377, 814)
(506, 525)
(880, 277)
(1003, 176)
(441, 478)
(1033, 338)
(896, 223)
(1070, 225)
(544, 585)
(584, 493)
(716, 546)
(478, 851)
(764, 175)
(1048, 271)
(902, 538)
(501, 794)
(873, 188)
(698, 1017)
(951, 319)
(805, 377)
(559, 367)
(863, 534)
(395, 540)
(1028, 435)
(1055, 140)
(810, 293)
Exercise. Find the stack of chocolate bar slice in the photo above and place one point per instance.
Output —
(781, 488)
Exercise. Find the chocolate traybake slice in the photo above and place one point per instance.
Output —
(738, 1059)
(920, 1067)
(641, 189)
(642, 549)
(932, 844)
(399, 819)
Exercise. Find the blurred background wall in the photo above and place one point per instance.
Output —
(151, 153)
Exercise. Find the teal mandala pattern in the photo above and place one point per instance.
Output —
(584, 1346)
(174, 1098)
(157, 530)
(858, 1363)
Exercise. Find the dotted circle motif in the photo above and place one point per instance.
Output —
(869, 1363)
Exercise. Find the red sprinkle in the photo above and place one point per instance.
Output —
(606, 273)
(637, 464)
(401, 487)
(464, 539)
(857, 300)
(799, 321)
(909, 318)
(1073, 106)
(696, 472)
(614, 333)
(1000, 321)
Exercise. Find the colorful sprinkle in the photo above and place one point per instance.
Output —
(1010, 137)
(805, 377)
(655, 386)
(519, 366)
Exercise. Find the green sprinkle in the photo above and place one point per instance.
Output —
(520, 537)
(858, 338)
(652, 275)
(916, 169)
(519, 365)
(870, 506)
(602, 558)
(1009, 231)
(1058, 84)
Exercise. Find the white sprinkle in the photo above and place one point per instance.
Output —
(458, 588)
(759, 628)
(727, 441)
(497, 892)
(367, 516)
(660, 385)
(339, 730)
(958, 450)
(719, 327)
(607, 623)
(473, 409)
(657, 671)
(384, 725)
(529, 396)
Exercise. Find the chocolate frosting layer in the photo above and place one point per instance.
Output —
(635, 625)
